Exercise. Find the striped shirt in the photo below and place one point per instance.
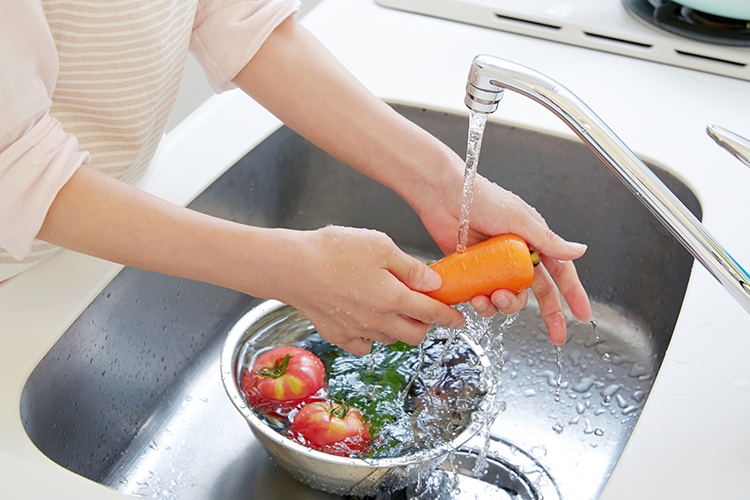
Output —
(94, 82)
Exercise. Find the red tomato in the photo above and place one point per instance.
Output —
(283, 379)
(334, 428)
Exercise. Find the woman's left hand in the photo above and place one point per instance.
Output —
(498, 211)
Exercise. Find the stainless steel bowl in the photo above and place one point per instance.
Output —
(275, 323)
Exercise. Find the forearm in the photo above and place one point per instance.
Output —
(97, 215)
(352, 284)
(299, 81)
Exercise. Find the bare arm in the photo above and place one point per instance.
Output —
(298, 80)
(106, 218)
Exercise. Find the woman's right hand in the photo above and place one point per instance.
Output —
(356, 286)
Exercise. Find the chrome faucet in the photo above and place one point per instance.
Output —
(736, 145)
(490, 76)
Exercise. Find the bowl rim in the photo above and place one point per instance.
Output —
(239, 333)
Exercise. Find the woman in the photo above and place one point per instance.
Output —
(86, 89)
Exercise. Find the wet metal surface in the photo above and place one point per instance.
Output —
(131, 395)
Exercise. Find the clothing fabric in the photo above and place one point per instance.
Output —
(92, 82)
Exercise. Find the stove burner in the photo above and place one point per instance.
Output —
(690, 23)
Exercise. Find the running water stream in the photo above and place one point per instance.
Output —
(477, 122)
(477, 328)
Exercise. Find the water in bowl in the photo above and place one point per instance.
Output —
(415, 398)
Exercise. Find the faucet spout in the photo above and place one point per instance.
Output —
(490, 76)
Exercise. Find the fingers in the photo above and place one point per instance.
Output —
(414, 274)
(498, 211)
(551, 279)
(359, 286)
(388, 329)
(484, 306)
(419, 314)
(550, 305)
(415, 307)
(358, 346)
(566, 277)
(507, 302)
(516, 216)
(504, 301)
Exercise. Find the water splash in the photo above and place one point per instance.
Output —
(376, 347)
(417, 373)
(479, 330)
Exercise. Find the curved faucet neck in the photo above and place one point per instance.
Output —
(490, 76)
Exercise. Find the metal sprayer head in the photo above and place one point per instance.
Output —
(482, 95)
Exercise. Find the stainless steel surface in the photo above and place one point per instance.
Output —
(272, 324)
(492, 74)
(131, 395)
(738, 146)
(511, 474)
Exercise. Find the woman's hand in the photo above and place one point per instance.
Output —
(356, 286)
(367, 134)
(497, 211)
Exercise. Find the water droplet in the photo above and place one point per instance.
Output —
(630, 409)
(621, 401)
(588, 429)
(539, 451)
(599, 432)
(596, 332)
(610, 390)
(584, 384)
(558, 428)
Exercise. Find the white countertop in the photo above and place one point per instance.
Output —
(693, 438)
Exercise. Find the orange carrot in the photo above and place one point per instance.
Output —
(501, 262)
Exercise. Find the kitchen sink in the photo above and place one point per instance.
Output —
(131, 394)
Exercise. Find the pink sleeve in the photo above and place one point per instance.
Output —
(36, 156)
(228, 33)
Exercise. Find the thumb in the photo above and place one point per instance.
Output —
(415, 274)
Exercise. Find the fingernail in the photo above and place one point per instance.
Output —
(576, 247)
(460, 323)
(431, 281)
(556, 328)
(503, 302)
(481, 307)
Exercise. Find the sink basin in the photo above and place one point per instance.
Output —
(131, 395)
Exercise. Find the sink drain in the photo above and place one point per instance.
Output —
(511, 474)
